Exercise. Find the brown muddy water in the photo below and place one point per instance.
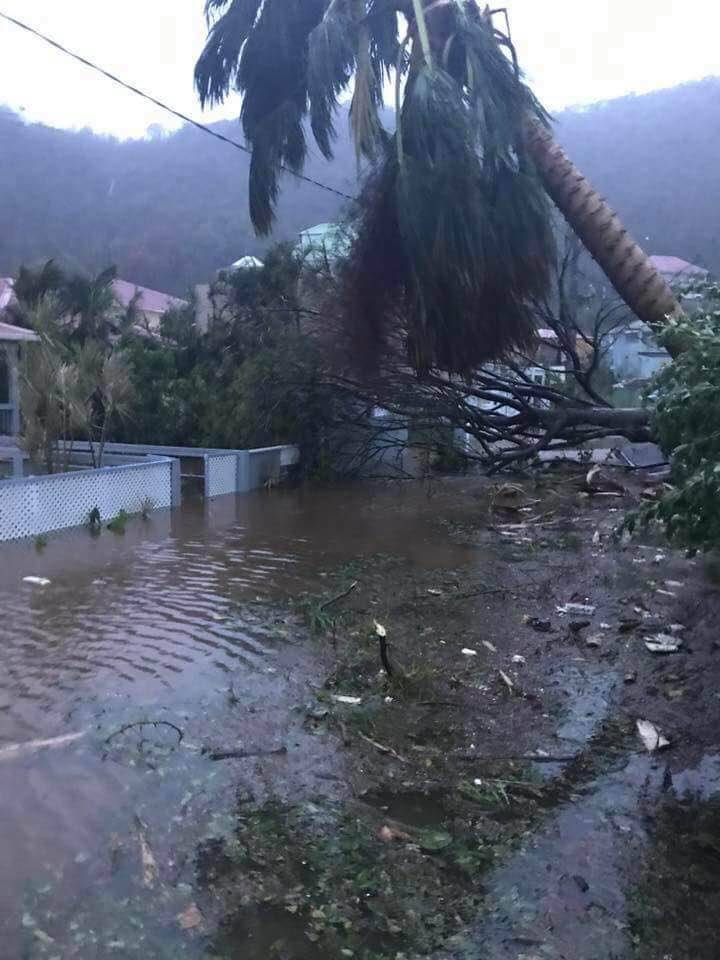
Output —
(181, 640)
(181, 620)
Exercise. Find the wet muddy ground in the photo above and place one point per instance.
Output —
(249, 780)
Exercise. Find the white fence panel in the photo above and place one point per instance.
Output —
(36, 505)
(221, 475)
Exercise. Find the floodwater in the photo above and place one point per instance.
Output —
(179, 639)
(150, 646)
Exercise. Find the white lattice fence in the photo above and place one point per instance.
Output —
(36, 505)
(221, 475)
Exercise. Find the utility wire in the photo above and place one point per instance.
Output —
(163, 106)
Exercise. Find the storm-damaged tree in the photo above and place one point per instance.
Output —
(558, 392)
(453, 227)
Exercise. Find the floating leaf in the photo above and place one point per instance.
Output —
(434, 841)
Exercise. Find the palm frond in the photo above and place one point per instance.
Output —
(329, 69)
(465, 207)
(365, 122)
(273, 75)
(382, 22)
(217, 66)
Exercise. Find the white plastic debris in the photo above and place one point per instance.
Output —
(506, 680)
(651, 737)
(380, 630)
(467, 652)
(676, 628)
(658, 558)
(350, 701)
(663, 643)
(37, 581)
(605, 626)
(674, 584)
(596, 537)
(577, 609)
(489, 646)
(518, 659)
(593, 641)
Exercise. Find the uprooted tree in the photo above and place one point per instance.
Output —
(454, 249)
(453, 253)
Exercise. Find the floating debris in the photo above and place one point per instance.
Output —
(489, 646)
(390, 835)
(150, 871)
(593, 641)
(518, 659)
(467, 652)
(37, 581)
(191, 918)
(506, 680)
(380, 630)
(30, 746)
(578, 609)
(663, 643)
(651, 737)
(350, 701)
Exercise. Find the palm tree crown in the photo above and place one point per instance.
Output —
(453, 226)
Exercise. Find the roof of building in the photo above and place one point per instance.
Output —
(12, 334)
(247, 263)
(677, 267)
(151, 301)
(331, 240)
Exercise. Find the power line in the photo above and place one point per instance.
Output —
(163, 106)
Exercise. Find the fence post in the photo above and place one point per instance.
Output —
(206, 470)
(175, 484)
(243, 471)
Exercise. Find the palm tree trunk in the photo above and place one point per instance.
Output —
(626, 265)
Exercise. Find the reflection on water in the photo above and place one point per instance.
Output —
(155, 624)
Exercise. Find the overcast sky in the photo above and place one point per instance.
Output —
(574, 52)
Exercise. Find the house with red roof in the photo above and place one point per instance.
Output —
(150, 304)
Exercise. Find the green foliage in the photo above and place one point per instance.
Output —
(119, 523)
(147, 505)
(255, 378)
(686, 424)
(319, 619)
(453, 227)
